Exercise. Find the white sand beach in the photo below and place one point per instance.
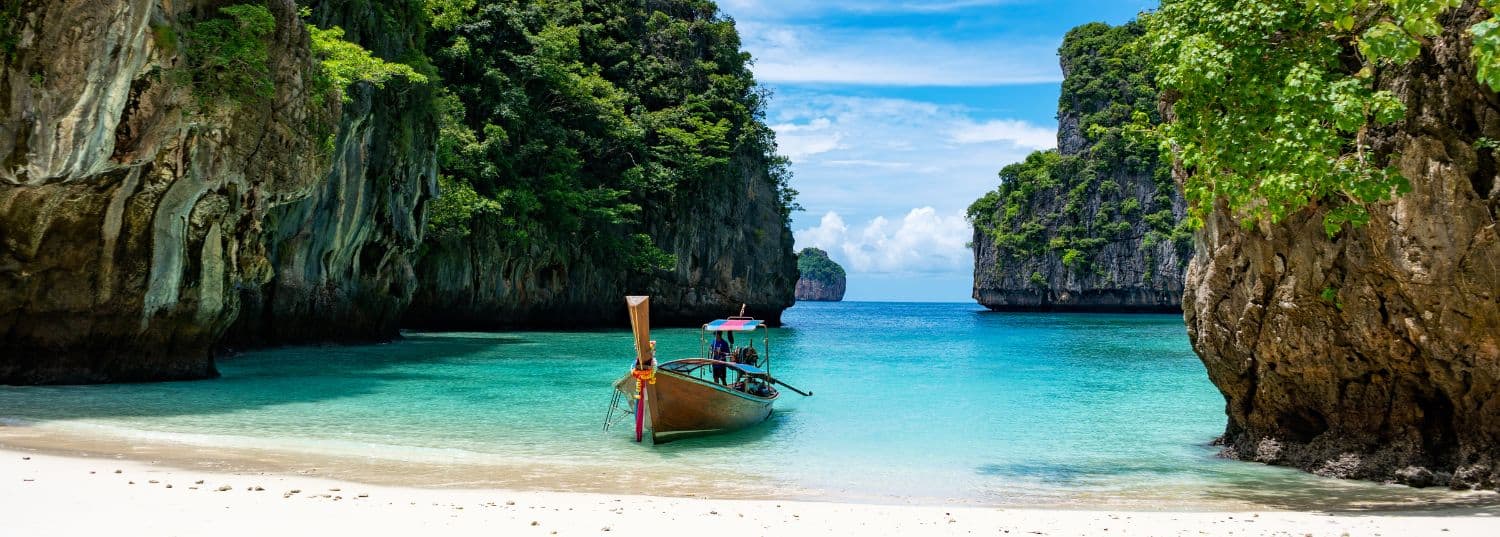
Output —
(44, 494)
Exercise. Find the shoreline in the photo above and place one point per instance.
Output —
(375, 470)
(45, 493)
(463, 472)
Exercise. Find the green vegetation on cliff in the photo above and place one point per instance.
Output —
(814, 264)
(570, 123)
(1108, 85)
(228, 58)
(1275, 100)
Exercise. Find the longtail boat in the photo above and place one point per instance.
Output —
(681, 397)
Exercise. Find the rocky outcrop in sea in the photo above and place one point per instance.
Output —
(1095, 224)
(821, 279)
(1374, 354)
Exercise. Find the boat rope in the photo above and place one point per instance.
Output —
(642, 378)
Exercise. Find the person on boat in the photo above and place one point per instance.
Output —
(719, 350)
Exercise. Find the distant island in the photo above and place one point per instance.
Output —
(822, 280)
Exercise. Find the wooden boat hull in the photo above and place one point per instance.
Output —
(679, 405)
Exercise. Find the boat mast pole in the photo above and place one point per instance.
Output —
(766, 342)
(640, 324)
(645, 360)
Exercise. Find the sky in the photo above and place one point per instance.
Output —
(897, 114)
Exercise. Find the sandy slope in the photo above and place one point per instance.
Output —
(54, 495)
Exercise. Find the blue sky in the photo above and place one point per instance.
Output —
(898, 114)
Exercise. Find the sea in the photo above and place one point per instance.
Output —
(919, 403)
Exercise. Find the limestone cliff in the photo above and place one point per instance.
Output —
(135, 214)
(820, 278)
(722, 257)
(344, 255)
(1375, 354)
(590, 154)
(1093, 225)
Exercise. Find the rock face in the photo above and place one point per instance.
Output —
(724, 258)
(344, 256)
(1093, 226)
(136, 222)
(1376, 354)
(821, 279)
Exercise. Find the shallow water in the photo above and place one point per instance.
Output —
(913, 403)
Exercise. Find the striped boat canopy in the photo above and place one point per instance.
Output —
(733, 325)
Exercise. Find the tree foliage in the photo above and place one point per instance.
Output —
(573, 122)
(342, 63)
(1274, 100)
(228, 58)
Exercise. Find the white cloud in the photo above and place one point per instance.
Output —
(801, 140)
(923, 241)
(867, 156)
(828, 234)
(1020, 133)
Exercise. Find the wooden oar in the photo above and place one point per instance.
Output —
(789, 386)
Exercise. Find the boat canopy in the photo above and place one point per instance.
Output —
(733, 325)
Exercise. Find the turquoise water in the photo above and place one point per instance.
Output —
(913, 402)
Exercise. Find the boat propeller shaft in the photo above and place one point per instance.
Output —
(789, 386)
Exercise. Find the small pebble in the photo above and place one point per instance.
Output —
(25, 458)
(130, 482)
(153, 481)
(225, 488)
(508, 502)
(169, 485)
(606, 528)
(364, 495)
(117, 471)
(535, 523)
(198, 482)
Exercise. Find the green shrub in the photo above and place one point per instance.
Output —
(452, 213)
(342, 63)
(228, 56)
(647, 257)
(1071, 258)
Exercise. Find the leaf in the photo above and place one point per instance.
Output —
(1387, 42)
